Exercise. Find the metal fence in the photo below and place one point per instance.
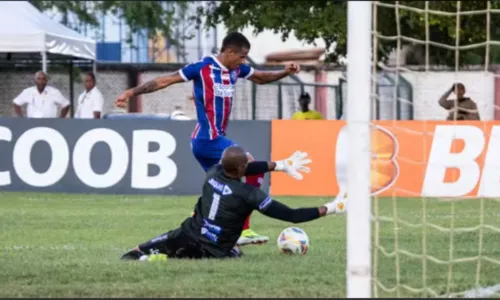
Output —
(393, 101)
(277, 100)
(252, 102)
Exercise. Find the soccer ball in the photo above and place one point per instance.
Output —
(293, 240)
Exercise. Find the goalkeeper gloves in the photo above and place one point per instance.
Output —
(295, 163)
(338, 205)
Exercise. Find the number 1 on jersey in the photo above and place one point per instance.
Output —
(214, 207)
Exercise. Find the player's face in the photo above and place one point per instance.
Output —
(40, 80)
(88, 82)
(236, 57)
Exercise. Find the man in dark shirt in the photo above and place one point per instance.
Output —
(213, 230)
(463, 108)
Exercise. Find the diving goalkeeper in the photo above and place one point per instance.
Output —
(220, 213)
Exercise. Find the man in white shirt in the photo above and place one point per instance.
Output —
(91, 101)
(41, 101)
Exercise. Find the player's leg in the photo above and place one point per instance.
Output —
(248, 236)
(208, 152)
(173, 244)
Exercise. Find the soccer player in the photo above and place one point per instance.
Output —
(214, 79)
(226, 201)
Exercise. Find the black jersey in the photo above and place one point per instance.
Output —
(221, 211)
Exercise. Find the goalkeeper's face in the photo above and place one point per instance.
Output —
(242, 167)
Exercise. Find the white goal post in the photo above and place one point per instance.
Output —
(359, 52)
(428, 181)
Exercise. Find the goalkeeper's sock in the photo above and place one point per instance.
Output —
(246, 225)
(255, 180)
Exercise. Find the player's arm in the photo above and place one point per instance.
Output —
(292, 166)
(276, 210)
(187, 73)
(260, 167)
(151, 86)
(263, 77)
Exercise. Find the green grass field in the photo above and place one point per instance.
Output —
(55, 245)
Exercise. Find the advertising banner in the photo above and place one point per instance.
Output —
(408, 158)
(111, 156)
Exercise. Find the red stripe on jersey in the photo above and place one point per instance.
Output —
(195, 131)
(226, 108)
(208, 97)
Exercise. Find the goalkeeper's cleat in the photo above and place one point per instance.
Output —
(134, 254)
(154, 258)
(248, 236)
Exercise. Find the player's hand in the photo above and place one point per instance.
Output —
(292, 68)
(294, 165)
(339, 205)
(122, 100)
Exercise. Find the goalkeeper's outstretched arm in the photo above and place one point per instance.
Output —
(280, 211)
(277, 210)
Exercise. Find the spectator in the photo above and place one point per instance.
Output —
(91, 101)
(305, 113)
(463, 108)
(41, 101)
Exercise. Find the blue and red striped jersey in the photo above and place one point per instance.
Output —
(214, 87)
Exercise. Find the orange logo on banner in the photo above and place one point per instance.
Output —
(409, 158)
(384, 167)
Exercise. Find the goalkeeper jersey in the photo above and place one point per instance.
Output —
(221, 211)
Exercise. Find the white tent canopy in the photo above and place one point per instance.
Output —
(24, 29)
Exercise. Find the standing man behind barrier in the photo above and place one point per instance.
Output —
(91, 101)
(41, 100)
(305, 112)
(463, 108)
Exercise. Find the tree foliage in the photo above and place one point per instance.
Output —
(327, 20)
(149, 16)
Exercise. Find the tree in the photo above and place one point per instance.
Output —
(151, 16)
(327, 20)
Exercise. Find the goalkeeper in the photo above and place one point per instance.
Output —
(213, 230)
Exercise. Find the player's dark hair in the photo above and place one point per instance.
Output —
(235, 40)
(91, 75)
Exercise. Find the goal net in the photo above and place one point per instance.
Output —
(434, 218)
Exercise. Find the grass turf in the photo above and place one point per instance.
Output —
(60, 245)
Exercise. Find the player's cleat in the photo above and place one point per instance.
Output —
(154, 257)
(134, 254)
(248, 236)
